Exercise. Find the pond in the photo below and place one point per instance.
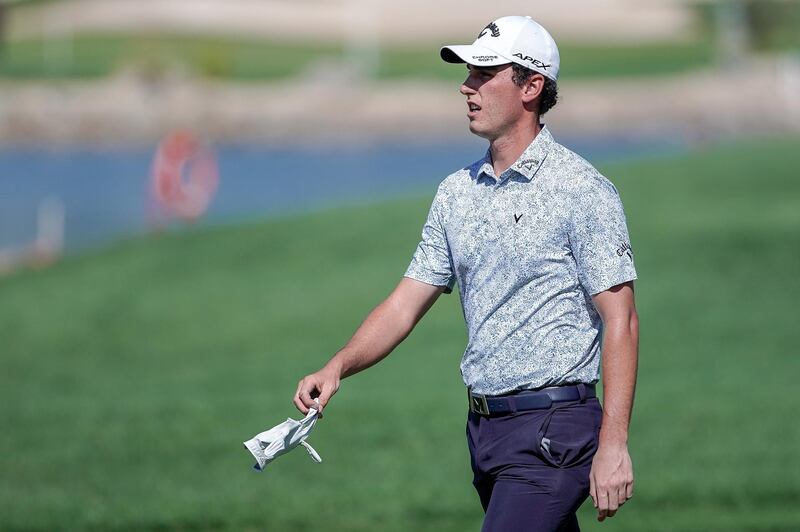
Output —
(105, 193)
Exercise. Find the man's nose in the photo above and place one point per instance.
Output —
(465, 88)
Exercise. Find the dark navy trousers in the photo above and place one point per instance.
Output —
(531, 468)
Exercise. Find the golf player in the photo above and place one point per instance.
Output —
(536, 240)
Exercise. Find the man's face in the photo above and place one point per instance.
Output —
(494, 102)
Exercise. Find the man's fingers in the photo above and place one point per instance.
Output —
(613, 501)
(299, 404)
(314, 391)
(328, 389)
(612, 486)
(327, 392)
(319, 405)
(602, 503)
(305, 397)
(323, 400)
(622, 496)
(593, 490)
(608, 503)
(298, 395)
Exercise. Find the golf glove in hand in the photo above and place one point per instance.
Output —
(281, 439)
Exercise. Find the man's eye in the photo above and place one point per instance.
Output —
(481, 74)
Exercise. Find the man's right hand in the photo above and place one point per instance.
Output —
(320, 385)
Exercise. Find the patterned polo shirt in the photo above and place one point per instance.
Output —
(528, 250)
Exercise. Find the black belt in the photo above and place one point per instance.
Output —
(528, 399)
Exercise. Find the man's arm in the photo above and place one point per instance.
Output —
(611, 478)
(383, 329)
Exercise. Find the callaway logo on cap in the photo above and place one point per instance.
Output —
(514, 39)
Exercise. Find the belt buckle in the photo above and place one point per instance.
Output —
(477, 403)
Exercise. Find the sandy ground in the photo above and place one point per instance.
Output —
(704, 104)
(359, 20)
(127, 108)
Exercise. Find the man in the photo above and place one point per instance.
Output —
(537, 240)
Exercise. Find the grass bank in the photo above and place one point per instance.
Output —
(129, 377)
(94, 56)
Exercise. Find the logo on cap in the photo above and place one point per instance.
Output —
(490, 27)
(484, 58)
(536, 62)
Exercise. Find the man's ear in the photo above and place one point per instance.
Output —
(533, 88)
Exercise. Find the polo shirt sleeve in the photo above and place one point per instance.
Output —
(432, 262)
(599, 238)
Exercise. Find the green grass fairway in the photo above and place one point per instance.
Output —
(578, 61)
(129, 377)
(91, 56)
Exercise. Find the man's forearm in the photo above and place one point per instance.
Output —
(383, 329)
(620, 361)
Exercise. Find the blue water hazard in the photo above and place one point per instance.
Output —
(105, 193)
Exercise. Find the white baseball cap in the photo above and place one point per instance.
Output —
(513, 39)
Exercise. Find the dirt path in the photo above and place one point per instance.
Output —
(761, 98)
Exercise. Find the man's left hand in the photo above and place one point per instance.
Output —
(611, 479)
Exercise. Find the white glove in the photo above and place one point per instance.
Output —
(281, 439)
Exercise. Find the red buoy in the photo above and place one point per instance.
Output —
(185, 176)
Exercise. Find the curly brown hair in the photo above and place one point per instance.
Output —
(549, 96)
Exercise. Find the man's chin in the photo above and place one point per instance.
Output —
(475, 129)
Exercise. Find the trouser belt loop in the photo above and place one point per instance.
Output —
(582, 392)
(512, 405)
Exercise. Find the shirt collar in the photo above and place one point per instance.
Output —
(526, 166)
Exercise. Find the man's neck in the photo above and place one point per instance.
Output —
(506, 149)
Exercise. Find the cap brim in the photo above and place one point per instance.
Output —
(474, 55)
